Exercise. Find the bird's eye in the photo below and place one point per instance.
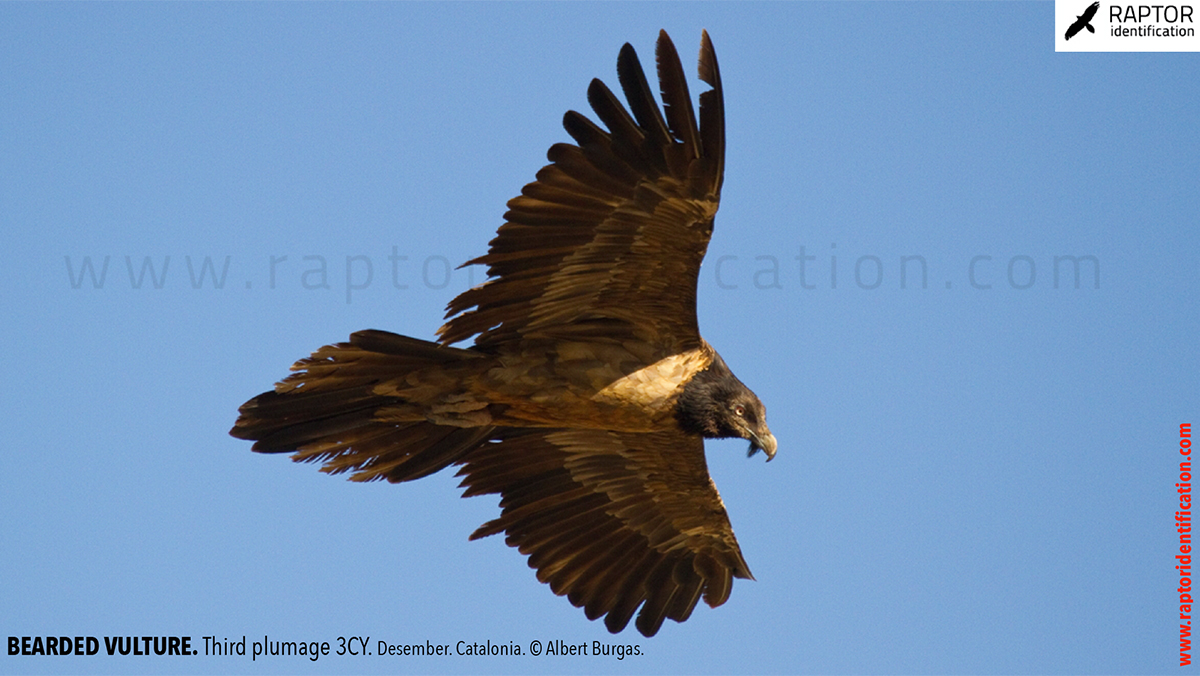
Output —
(739, 410)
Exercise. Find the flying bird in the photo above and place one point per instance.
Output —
(587, 393)
(1083, 21)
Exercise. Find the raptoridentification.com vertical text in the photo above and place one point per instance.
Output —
(1183, 525)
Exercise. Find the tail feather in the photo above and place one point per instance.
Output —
(328, 411)
(296, 431)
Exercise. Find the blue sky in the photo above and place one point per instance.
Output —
(976, 468)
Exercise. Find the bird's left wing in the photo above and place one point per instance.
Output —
(612, 520)
(607, 243)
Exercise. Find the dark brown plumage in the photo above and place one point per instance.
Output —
(588, 391)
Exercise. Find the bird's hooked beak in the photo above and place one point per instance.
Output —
(762, 440)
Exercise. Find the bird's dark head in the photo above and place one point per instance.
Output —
(716, 405)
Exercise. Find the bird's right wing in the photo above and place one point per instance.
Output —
(612, 520)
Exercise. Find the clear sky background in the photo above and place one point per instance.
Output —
(969, 480)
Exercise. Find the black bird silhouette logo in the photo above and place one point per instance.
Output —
(1084, 21)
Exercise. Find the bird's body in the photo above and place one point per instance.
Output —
(588, 391)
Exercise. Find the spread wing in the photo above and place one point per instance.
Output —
(613, 521)
(606, 244)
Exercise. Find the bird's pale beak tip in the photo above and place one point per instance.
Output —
(766, 444)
